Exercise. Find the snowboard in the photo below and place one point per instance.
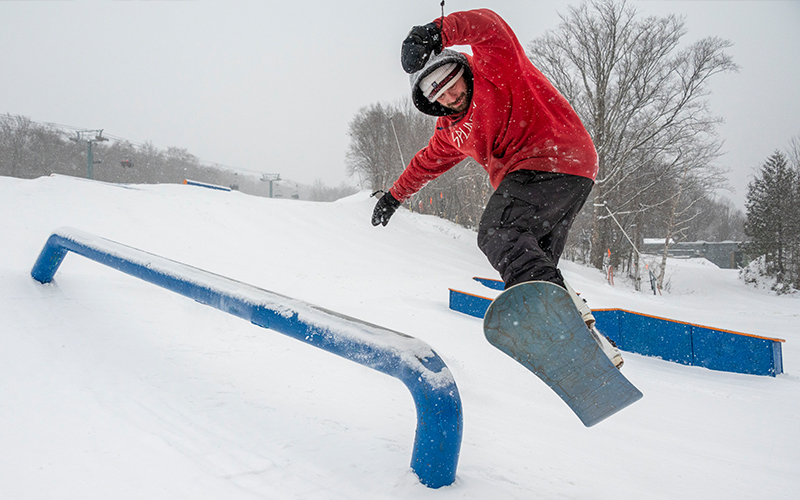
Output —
(537, 324)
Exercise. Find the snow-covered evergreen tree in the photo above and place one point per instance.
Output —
(773, 222)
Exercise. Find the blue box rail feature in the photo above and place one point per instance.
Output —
(668, 339)
(490, 283)
(437, 443)
(691, 344)
(190, 182)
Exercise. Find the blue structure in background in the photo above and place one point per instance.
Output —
(691, 344)
(467, 303)
(671, 340)
(490, 283)
(439, 414)
(190, 182)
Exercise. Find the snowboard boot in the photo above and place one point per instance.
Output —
(608, 346)
(605, 343)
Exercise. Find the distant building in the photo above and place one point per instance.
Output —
(725, 254)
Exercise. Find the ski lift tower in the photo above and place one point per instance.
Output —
(270, 178)
(89, 137)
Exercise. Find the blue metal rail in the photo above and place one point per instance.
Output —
(439, 415)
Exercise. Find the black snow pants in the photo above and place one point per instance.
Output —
(525, 225)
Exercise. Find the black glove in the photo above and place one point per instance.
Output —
(384, 209)
(418, 45)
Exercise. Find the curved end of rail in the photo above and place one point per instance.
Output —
(439, 430)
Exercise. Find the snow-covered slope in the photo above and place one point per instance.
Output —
(114, 388)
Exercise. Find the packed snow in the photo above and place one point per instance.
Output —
(111, 387)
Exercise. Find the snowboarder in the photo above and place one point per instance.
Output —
(497, 108)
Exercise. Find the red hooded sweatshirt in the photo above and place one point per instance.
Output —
(517, 120)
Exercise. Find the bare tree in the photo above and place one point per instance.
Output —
(375, 153)
(718, 220)
(384, 138)
(459, 195)
(13, 138)
(320, 192)
(29, 149)
(698, 178)
(641, 99)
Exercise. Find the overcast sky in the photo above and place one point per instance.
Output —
(271, 86)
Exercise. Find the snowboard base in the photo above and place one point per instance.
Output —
(537, 324)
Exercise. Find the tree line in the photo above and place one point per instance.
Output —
(29, 150)
(643, 100)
